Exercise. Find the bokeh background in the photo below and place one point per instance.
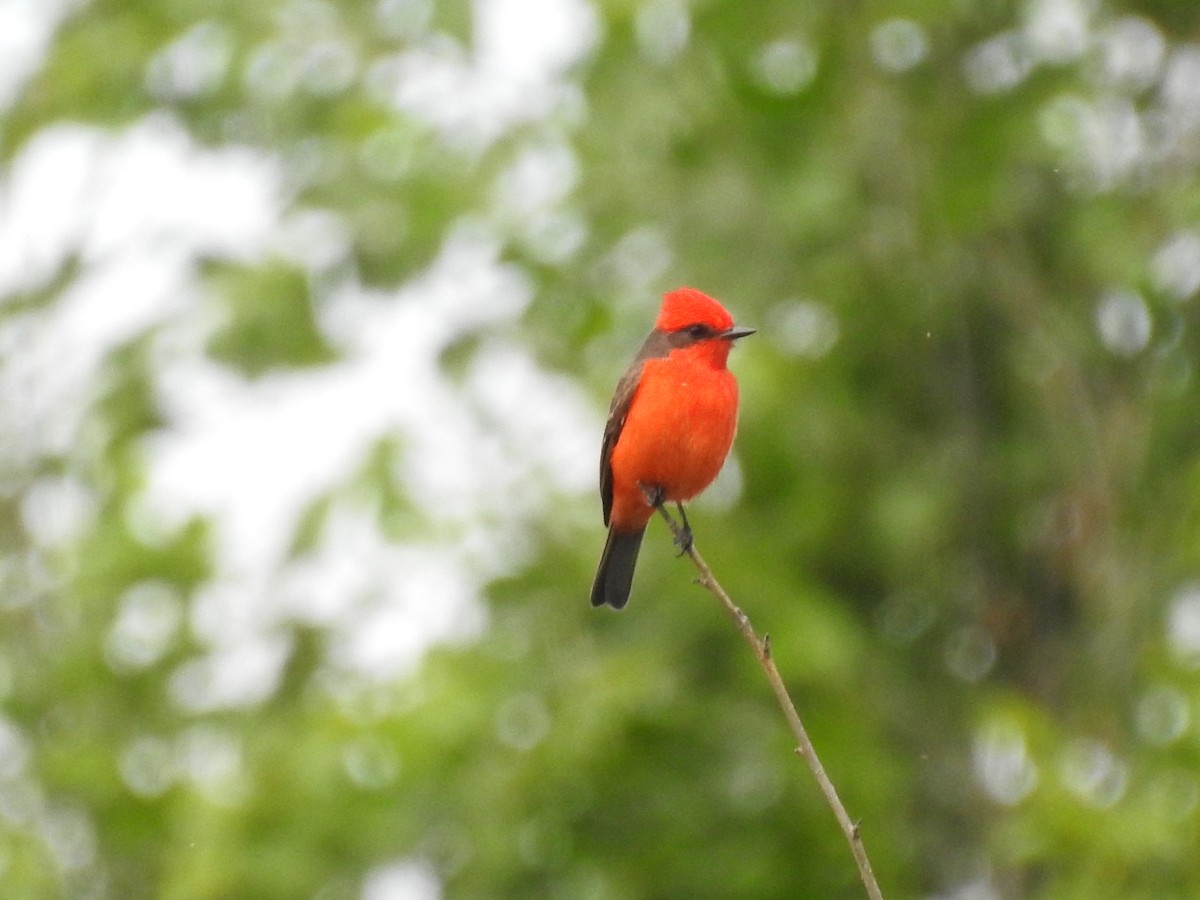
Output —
(309, 316)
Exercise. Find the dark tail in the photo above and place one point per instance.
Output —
(614, 577)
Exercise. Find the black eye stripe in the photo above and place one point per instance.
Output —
(690, 334)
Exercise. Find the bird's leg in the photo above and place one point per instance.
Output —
(656, 497)
(683, 537)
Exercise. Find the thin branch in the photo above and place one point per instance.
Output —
(804, 746)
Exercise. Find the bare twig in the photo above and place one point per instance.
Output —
(804, 746)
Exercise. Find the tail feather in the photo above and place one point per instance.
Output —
(614, 577)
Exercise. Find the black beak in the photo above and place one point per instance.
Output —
(732, 334)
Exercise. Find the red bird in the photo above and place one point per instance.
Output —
(670, 427)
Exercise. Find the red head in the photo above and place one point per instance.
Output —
(688, 306)
(694, 324)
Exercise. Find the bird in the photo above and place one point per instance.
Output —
(670, 427)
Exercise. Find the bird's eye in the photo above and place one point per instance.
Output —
(697, 332)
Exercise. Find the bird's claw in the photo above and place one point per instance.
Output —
(683, 539)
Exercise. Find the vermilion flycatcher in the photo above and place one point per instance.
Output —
(670, 427)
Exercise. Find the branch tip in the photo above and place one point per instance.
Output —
(761, 647)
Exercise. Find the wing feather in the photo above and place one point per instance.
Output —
(658, 344)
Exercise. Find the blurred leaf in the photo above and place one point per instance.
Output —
(269, 321)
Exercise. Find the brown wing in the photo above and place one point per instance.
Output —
(656, 345)
(621, 401)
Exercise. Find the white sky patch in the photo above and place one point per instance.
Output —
(44, 205)
(135, 209)
(26, 28)
(402, 880)
(147, 190)
(481, 455)
(522, 49)
(533, 42)
(253, 457)
(481, 458)
(295, 435)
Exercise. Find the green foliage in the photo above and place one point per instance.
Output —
(269, 322)
(967, 512)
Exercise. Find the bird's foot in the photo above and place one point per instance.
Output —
(656, 496)
(683, 537)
